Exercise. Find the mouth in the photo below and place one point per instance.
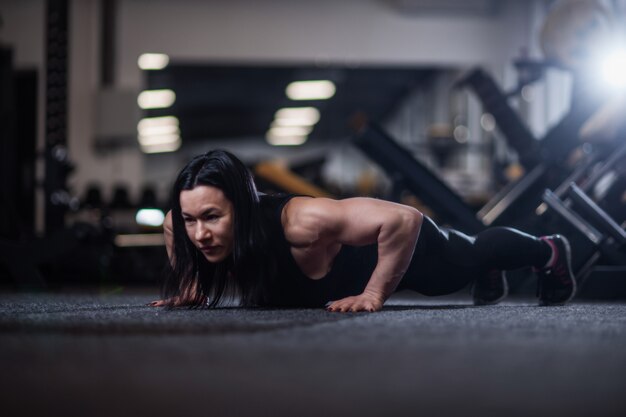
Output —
(208, 249)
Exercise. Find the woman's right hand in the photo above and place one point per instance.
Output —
(172, 302)
(176, 301)
(186, 298)
(158, 303)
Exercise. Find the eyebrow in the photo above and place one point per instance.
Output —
(206, 211)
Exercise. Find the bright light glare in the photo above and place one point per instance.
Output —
(613, 69)
(156, 99)
(150, 217)
(311, 90)
(153, 61)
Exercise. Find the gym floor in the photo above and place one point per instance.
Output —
(98, 354)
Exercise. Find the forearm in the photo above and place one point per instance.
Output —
(188, 294)
(396, 244)
(319, 222)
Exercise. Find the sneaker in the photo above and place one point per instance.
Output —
(490, 289)
(556, 284)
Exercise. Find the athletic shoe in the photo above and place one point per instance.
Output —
(490, 289)
(556, 284)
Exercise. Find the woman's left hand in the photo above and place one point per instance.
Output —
(361, 302)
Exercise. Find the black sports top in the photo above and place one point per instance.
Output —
(351, 269)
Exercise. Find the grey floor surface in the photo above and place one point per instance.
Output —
(110, 355)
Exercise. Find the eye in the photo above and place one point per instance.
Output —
(188, 220)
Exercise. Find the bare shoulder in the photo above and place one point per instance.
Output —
(167, 222)
(308, 210)
(354, 221)
(301, 208)
(306, 219)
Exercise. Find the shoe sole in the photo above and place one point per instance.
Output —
(568, 258)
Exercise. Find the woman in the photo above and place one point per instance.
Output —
(224, 238)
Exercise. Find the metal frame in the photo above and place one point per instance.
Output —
(401, 166)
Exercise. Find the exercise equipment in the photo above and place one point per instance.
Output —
(21, 253)
(278, 173)
(407, 172)
(545, 160)
(598, 237)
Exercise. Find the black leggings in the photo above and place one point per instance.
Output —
(446, 260)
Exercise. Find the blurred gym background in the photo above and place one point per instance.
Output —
(478, 112)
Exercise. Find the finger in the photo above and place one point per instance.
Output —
(330, 306)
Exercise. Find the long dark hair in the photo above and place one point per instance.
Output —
(247, 270)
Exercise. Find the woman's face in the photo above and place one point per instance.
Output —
(209, 221)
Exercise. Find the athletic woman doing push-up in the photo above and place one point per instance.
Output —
(223, 237)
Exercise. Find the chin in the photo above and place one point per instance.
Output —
(215, 258)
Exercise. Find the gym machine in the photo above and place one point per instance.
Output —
(544, 160)
(23, 256)
(407, 172)
(599, 238)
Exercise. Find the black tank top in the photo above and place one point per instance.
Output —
(351, 269)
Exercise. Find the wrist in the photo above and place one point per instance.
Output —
(374, 295)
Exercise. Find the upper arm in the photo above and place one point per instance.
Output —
(353, 221)
(168, 234)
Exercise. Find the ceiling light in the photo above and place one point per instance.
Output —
(156, 99)
(285, 140)
(311, 90)
(293, 122)
(166, 147)
(153, 61)
(310, 114)
(154, 140)
(159, 130)
(284, 131)
(151, 122)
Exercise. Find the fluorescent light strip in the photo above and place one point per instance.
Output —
(292, 122)
(153, 61)
(311, 90)
(157, 121)
(290, 131)
(154, 140)
(156, 99)
(307, 113)
(285, 140)
(166, 147)
(159, 130)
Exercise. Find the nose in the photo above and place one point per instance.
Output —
(202, 232)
